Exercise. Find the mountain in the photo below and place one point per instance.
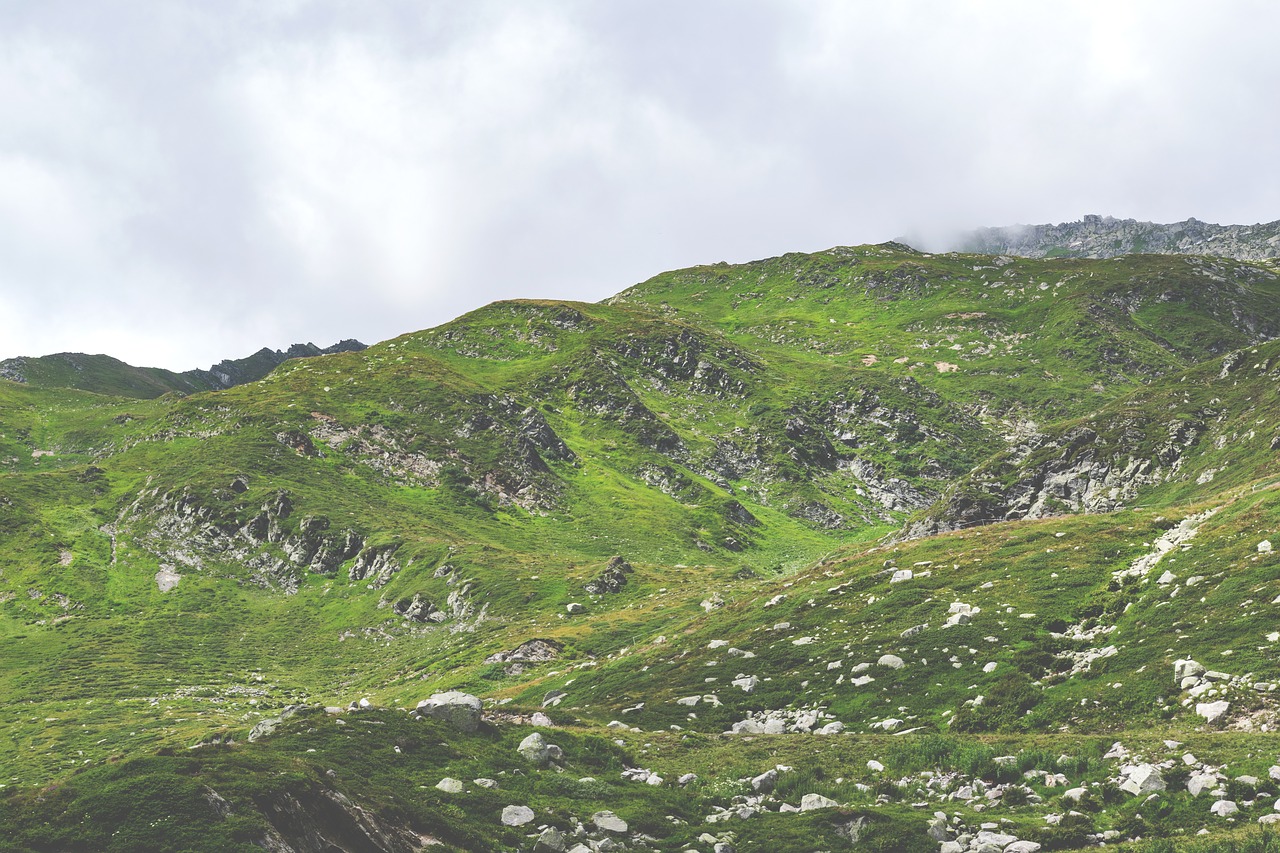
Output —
(106, 375)
(1107, 237)
(781, 556)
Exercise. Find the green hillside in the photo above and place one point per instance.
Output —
(960, 514)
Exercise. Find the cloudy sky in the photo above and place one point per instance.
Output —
(186, 181)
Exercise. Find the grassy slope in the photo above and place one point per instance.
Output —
(98, 666)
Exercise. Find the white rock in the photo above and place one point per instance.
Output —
(450, 786)
(1143, 779)
(747, 684)
(1186, 669)
(901, 575)
(609, 822)
(875, 766)
(1264, 547)
(1201, 782)
(1213, 712)
(1222, 808)
(990, 667)
(891, 661)
(516, 815)
(809, 802)
(765, 782)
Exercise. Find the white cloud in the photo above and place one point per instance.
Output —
(186, 183)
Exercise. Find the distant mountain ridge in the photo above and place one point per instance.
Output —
(1107, 237)
(106, 375)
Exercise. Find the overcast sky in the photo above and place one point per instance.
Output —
(183, 182)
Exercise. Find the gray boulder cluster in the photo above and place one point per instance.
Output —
(788, 721)
(603, 832)
(1209, 691)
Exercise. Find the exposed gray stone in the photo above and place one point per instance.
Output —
(516, 815)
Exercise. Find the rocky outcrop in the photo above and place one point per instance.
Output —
(1106, 237)
(529, 652)
(320, 818)
(375, 564)
(418, 609)
(612, 579)
(187, 530)
(460, 710)
(1077, 469)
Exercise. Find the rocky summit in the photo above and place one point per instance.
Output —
(1107, 237)
(866, 549)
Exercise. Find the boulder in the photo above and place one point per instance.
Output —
(1213, 712)
(891, 661)
(999, 839)
(1186, 669)
(809, 802)
(550, 841)
(460, 710)
(765, 782)
(1143, 779)
(1198, 783)
(535, 749)
(1222, 808)
(607, 821)
(450, 786)
(516, 815)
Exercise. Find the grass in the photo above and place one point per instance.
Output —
(740, 435)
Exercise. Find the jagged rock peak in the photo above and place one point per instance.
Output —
(1097, 236)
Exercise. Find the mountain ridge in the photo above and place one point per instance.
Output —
(1097, 236)
(106, 374)
(664, 534)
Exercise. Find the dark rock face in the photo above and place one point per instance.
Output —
(612, 579)
(231, 372)
(324, 820)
